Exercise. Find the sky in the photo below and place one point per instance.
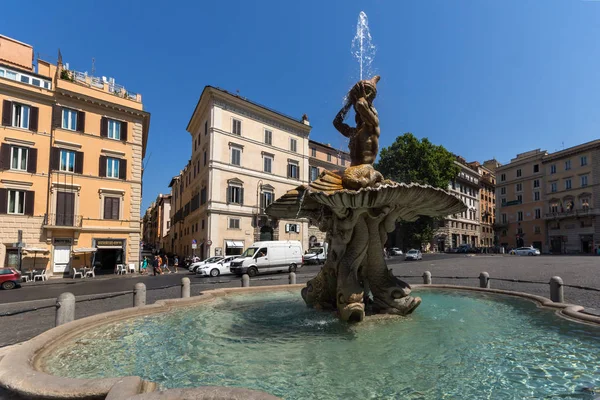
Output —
(486, 79)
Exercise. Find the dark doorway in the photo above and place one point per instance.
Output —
(586, 245)
(520, 241)
(556, 245)
(266, 233)
(65, 208)
(107, 259)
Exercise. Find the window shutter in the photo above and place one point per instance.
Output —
(241, 196)
(29, 202)
(124, 131)
(3, 201)
(297, 228)
(56, 116)
(262, 202)
(32, 160)
(115, 208)
(228, 194)
(107, 208)
(103, 127)
(287, 227)
(102, 168)
(79, 162)
(4, 156)
(33, 119)
(289, 170)
(80, 121)
(7, 113)
(123, 169)
(55, 158)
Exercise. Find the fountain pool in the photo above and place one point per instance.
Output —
(459, 345)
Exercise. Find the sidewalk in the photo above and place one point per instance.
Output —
(104, 277)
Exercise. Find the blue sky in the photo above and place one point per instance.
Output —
(483, 78)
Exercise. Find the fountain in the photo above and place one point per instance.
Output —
(363, 48)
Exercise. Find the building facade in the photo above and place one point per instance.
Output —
(70, 165)
(487, 201)
(243, 157)
(323, 157)
(571, 186)
(520, 202)
(157, 221)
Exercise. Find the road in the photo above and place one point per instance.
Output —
(577, 270)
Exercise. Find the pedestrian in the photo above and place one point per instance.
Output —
(144, 266)
(176, 263)
(156, 265)
(166, 263)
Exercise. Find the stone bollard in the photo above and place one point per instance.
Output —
(427, 278)
(245, 280)
(484, 280)
(292, 278)
(556, 290)
(65, 309)
(185, 287)
(139, 295)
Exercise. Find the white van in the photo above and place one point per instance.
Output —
(271, 256)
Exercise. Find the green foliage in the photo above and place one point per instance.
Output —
(408, 160)
(66, 75)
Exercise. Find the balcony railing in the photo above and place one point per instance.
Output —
(83, 78)
(66, 220)
(579, 212)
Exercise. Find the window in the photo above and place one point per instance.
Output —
(536, 196)
(235, 194)
(204, 158)
(67, 161)
(504, 219)
(536, 229)
(329, 157)
(585, 203)
(538, 213)
(20, 117)
(267, 198)
(111, 207)
(268, 137)
(584, 180)
(203, 196)
(69, 119)
(520, 231)
(234, 223)
(518, 172)
(567, 165)
(343, 160)
(16, 202)
(536, 168)
(553, 169)
(536, 183)
(583, 160)
(205, 128)
(293, 171)
(114, 129)
(567, 184)
(502, 177)
(314, 173)
(520, 198)
(236, 156)
(268, 164)
(18, 158)
(112, 167)
(503, 190)
(503, 201)
(519, 187)
(313, 152)
(236, 127)
(292, 228)
(168, 224)
(553, 207)
(553, 187)
(202, 224)
(293, 145)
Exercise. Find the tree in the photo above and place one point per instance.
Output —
(408, 160)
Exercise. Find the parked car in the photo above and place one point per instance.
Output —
(525, 251)
(316, 255)
(10, 278)
(220, 267)
(194, 266)
(413, 255)
(394, 251)
(271, 256)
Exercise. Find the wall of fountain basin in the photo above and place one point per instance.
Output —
(26, 370)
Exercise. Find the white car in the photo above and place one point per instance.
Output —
(394, 251)
(220, 267)
(194, 266)
(413, 255)
(525, 251)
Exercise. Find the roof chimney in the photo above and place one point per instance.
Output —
(305, 120)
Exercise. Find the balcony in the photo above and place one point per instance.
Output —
(103, 84)
(63, 221)
(580, 212)
(500, 225)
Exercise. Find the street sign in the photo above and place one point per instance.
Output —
(194, 241)
(194, 246)
(209, 242)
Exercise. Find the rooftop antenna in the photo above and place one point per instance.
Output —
(93, 66)
(563, 145)
(237, 91)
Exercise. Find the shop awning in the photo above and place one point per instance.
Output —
(234, 244)
(85, 250)
(36, 250)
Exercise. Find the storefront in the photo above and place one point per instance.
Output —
(109, 253)
(234, 247)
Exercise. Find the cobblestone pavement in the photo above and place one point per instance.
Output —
(576, 270)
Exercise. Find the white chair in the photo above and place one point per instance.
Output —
(121, 269)
(42, 276)
(25, 278)
(76, 274)
(131, 268)
(91, 273)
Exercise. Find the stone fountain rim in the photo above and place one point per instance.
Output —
(21, 369)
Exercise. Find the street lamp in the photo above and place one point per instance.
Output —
(258, 189)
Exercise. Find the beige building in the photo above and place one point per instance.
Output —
(243, 157)
(157, 221)
(520, 202)
(70, 165)
(571, 186)
(487, 201)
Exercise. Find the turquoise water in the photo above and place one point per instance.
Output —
(456, 345)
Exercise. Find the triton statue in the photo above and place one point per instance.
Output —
(357, 208)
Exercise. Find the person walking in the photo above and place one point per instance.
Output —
(144, 266)
(156, 265)
(165, 261)
(176, 263)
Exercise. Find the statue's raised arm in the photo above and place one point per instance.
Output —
(339, 124)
